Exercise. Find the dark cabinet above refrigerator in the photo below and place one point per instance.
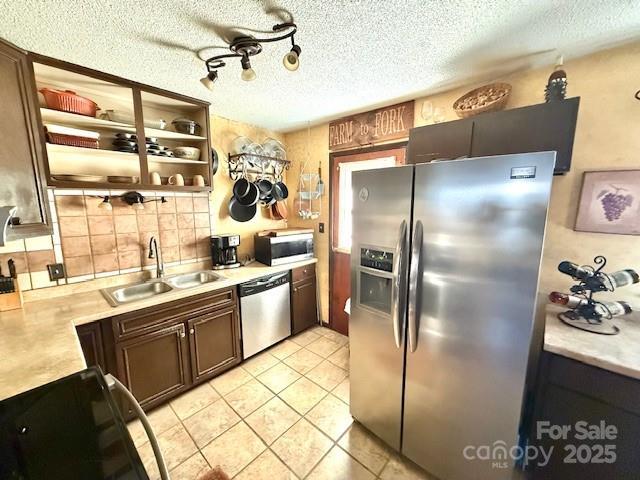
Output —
(537, 128)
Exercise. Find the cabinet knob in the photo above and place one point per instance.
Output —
(192, 331)
(182, 334)
(295, 289)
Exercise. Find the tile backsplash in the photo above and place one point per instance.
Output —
(93, 242)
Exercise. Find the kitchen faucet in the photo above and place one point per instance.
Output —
(153, 246)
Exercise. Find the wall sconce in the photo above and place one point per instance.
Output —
(134, 199)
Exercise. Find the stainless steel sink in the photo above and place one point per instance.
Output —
(194, 279)
(137, 291)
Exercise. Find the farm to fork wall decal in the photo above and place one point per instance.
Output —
(610, 202)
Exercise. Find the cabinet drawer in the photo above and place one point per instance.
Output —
(302, 273)
(148, 319)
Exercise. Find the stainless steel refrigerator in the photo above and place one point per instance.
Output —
(444, 276)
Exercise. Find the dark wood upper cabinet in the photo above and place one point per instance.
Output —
(440, 140)
(21, 149)
(155, 366)
(304, 308)
(538, 128)
(214, 343)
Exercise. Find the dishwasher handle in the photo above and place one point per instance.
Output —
(264, 283)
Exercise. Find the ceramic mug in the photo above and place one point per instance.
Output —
(177, 180)
(198, 181)
(155, 178)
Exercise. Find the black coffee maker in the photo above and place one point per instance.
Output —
(224, 253)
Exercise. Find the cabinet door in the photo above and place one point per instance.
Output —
(538, 128)
(21, 148)
(90, 336)
(154, 366)
(214, 343)
(586, 458)
(304, 309)
(440, 140)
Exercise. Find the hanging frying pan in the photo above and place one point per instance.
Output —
(251, 197)
(281, 208)
(241, 213)
(214, 161)
(274, 212)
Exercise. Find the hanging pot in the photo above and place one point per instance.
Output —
(251, 197)
(280, 191)
(266, 188)
(241, 213)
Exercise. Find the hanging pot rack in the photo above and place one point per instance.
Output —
(270, 167)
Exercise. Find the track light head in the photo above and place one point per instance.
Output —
(210, 79)
(248, 73)
(291, 60)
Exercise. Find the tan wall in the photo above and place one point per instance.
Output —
(607, 137)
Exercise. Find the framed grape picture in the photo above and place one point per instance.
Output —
(610, 202)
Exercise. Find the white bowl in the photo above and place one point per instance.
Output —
(188, 153)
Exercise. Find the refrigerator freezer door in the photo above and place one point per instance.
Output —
(483, 229)
(381, 203)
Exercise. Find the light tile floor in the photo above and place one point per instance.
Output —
(281, 415)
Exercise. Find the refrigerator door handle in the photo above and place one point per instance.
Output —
(416, 259)
(398, 293)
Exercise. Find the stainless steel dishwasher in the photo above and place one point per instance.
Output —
(265, 312)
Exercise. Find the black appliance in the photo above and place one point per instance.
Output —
(70, 428)
(283, 249)
(224, 251)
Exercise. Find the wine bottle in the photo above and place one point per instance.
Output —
(566, 299)
(615, 308)
(575, 270)
(622, 278)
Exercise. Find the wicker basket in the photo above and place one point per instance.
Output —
(69, 101)
(488, 98)
(72, 140)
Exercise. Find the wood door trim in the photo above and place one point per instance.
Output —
(338, 156)
(398, 149)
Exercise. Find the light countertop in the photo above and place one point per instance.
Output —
(616, 353)
(38, 343)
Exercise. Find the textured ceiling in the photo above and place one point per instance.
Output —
(355, 54)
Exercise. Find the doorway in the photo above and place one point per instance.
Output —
(342, 166)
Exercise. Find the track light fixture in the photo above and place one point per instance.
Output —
(247, 46)
(134, 199)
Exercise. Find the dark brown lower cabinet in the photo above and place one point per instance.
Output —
(155, 366)
(159, 352)
(90, 336)
(589, 419)
(304, 308)
(214, 343)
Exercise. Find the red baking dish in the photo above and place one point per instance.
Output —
(69, 101)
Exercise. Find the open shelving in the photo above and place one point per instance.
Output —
(139, 109)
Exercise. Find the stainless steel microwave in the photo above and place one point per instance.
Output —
(284, 249)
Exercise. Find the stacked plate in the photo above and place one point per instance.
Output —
(128, 142)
